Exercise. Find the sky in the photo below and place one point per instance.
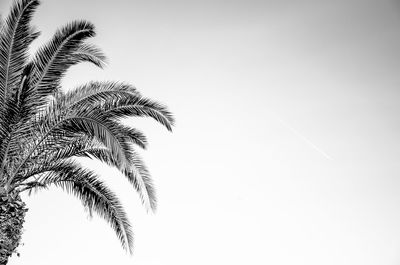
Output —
(286, 148)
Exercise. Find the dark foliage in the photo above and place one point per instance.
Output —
(43, 128)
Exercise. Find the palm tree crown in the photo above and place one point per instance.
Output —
(43, 128)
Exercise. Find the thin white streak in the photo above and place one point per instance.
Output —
(297, 133)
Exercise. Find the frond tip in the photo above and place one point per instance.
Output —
(15, 36)
(94, 195)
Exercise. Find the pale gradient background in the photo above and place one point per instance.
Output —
(287, 144)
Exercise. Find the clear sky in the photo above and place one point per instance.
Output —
(287, 143)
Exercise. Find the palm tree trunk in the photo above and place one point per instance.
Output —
(12, 214)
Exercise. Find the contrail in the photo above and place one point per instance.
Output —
(316, 148)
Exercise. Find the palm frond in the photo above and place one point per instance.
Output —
(15, 37)
(52, 60)
(93, 194)
(141, 107)
(47, 68)
(102, 129)
(89, 53)
(139, 176)
(118, 100)
(135, 171)
(57, 124)
(95, 93)
(132, 135)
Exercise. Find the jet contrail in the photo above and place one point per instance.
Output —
(316, 148)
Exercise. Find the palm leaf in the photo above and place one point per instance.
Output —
(57, 123)
(93, 194)
(118, 100)
(15, 37)
(140, 107)
(95, 93)
(136, 171)
(139, 176)
(90, 53)
(52, 60)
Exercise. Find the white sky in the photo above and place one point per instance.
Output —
(286, 149)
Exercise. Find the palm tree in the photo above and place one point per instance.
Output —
(44, 129)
